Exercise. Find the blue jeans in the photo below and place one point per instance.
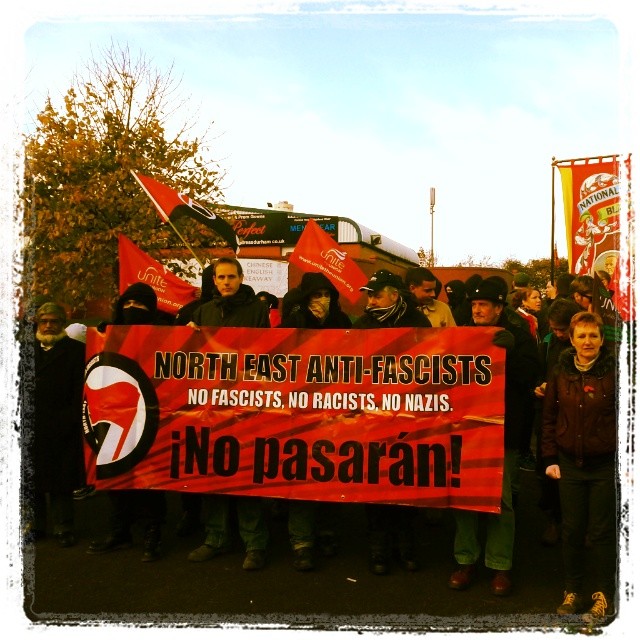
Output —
(501, 528)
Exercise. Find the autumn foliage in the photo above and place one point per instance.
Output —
(79, 194)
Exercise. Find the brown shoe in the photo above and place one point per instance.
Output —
(501, 584)
(462, 577)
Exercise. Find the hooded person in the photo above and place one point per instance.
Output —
(317, 305)
(456, 293)
(136, 306)
(312, 523)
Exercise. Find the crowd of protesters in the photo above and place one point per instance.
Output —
(560, 422)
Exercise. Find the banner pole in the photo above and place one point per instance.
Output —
(553, 220)
(185, 243)
(574, 160)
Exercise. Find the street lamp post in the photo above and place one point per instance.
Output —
(432, 202)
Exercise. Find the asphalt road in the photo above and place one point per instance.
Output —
(69, 588)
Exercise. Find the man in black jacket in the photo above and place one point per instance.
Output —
(52, 418)
(235, 305)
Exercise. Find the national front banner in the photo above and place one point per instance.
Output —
(596, 241)
(404, 416)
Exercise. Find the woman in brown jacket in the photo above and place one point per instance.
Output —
(579, 445)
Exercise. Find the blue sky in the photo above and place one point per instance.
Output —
(359, 113)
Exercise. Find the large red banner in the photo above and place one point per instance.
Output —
(316, 250)
(406, 416)
(596, 240)
(137, 266)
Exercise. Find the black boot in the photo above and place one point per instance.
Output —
(151, 543)
(116, 540)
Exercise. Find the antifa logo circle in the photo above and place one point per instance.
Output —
(120, 413)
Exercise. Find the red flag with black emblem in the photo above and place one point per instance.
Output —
(174, 205)
(316, 250)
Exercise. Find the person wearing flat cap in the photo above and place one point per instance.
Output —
(390, 528)
(488, 302)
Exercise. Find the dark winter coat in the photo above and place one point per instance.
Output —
(300, 317)
(522, 373)
(580, 411)
(57, 449)
(412, 317)
(243, 309)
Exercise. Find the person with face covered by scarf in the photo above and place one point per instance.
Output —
(316, 306)
(51, 398)
(390, 527)
(136, 306)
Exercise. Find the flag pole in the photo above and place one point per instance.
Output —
(166, 218)
(432, 205)
(553, 219)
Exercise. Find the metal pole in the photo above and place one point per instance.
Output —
(553, 219)
(432, 202)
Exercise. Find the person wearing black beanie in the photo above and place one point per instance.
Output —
(136, 306)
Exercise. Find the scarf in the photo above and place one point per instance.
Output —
(388, 314)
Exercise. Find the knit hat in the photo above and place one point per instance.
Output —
(488, 290)
(381, 279)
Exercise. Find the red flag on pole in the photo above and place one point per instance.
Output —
(316, 250)
(137, 266)
(171, 204)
